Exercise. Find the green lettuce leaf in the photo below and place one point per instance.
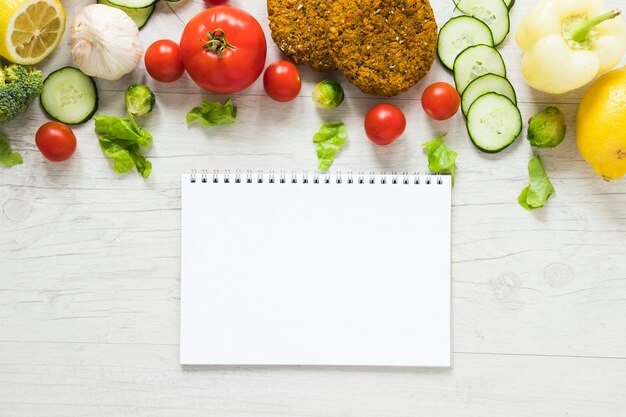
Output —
(540, 189)
(122, 130)
(213, 114)
(144, 167)
(441, 159)
(122, 161)
(121, 140)
(328, 141)
(8, 158)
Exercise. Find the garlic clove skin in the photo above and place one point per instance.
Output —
(105, 42)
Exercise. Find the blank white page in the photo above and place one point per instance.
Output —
(316, 274)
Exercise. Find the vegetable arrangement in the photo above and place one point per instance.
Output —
(223, 49)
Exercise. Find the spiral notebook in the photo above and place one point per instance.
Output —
(297, 269)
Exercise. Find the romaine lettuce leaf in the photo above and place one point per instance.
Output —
(540, 189)
(121, 140)
(441, 159)
(213, 114)
(8, 158)
(122, 130)
(328, 141)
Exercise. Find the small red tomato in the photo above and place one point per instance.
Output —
(441, 101)
(384, 123)
(56, 141)
(282, 81)
(163, 61)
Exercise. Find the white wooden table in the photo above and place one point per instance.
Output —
(90, 264)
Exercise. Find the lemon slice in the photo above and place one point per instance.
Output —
(30, 29)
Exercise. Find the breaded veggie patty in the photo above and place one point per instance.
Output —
(300, 29)
(383, 47)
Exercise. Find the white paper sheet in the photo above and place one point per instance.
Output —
(315, 274)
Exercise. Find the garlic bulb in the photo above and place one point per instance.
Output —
(105, 42)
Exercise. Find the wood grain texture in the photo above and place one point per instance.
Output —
(89, 288)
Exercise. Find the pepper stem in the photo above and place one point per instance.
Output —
(580, 32)
(217, 42)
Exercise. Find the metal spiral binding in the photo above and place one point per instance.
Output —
(271, 177)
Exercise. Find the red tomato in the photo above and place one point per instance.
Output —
(223, 49)
(282, 81)
(384, 124)
(163, 61)
(441, 101)
(56, 141)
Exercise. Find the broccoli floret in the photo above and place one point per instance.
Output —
(19, 86)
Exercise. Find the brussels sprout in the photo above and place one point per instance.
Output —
(139, 99)
(547, 129)
(328, 94)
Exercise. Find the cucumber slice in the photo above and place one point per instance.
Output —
(139, 16)
(474, 62)
(488, 83)
(493, 122)
(458, 34)
(133, 4)
(69, 96)
(494, 13)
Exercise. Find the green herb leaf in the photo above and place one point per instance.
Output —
(213, 114)
(8, 158)
(328, 141)
(441, 159)
(540, 189)
(122, 129)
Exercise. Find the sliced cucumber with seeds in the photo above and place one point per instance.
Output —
(133, 4)
(458, 34)
(488, 83)
(474, 62)
(493, 122)
(494, 13)
(139, 16)
(69, 96)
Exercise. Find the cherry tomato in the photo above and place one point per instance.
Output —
(441, 101)
(163, 61)
(56, 141)
(223, 49)
(282, 81)
(384, 123)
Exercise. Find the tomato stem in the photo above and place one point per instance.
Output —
(217, 42)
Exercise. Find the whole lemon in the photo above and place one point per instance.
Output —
(601, 125)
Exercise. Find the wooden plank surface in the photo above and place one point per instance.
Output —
(89, 288)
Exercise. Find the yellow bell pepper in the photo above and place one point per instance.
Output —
(567, 43)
